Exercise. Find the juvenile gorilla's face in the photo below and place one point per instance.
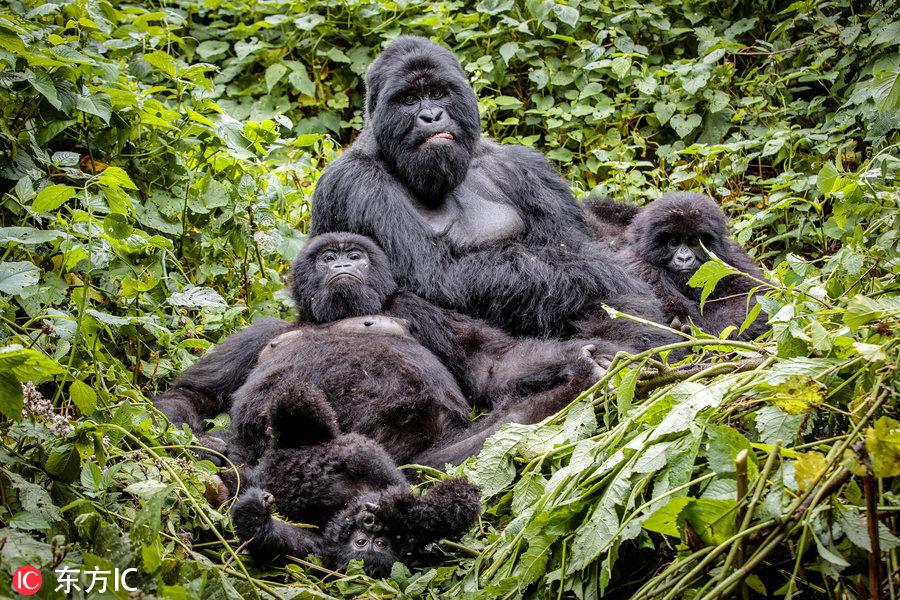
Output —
(685, 252)
(677, 232)
(424, 115)
(342, 265)
(340, 275)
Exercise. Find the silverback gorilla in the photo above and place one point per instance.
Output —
(486, 229)
(668, 241)
(407, 379)
(348, 487)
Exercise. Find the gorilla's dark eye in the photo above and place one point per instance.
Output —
(672, 242)
(360, 542)
(328, 256)
(409, 99)
(379, 543)
(355, 255)
(437, 94)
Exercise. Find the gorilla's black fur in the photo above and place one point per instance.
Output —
(395, 384)
(609, 219)
(666, 241)
(487, 229)
(407, 381)
(349, 489)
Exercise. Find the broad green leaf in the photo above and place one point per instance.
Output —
(664, 111)
(43, 83)
(95, 103)
(808, 467)
(708, 276)
(211, 48)
(722, 447)
(116, 177)
(274, 74)
(84, 397)
(52, 197)
(197, 297)
(684, 124)
(16, 276)
(10, 396)
(667, 519)
(161, 61)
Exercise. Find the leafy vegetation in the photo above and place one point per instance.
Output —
(158, 160)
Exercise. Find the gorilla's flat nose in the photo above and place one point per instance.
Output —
(432, 115)
(683, 259)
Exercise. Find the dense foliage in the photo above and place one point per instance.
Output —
(157, 164)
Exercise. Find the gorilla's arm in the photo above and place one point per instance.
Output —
(269, 537)
(527, 411)
(491, 365)
(204, 389)
(446, 511)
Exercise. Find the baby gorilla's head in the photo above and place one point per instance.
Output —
(340, 275)
(675, 232)
(359, 533)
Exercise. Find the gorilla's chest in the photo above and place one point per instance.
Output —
(477, 213)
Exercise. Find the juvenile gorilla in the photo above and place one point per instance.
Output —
(487, 229)
(349, 489)
(666, 242)
(394, 366)
(397, 369)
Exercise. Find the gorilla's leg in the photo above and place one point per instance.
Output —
(525, 410)
(274, 401)
(268, 536)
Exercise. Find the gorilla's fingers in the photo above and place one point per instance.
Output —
(216, 444)
(599, 364)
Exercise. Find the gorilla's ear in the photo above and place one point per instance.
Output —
(302, 417)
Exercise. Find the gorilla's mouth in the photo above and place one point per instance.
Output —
(441, 135)
(342, 276)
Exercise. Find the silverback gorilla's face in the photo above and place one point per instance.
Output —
(424, 115)
(340, 275)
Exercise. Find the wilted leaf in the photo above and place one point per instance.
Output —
(883, 446)
(808, 468)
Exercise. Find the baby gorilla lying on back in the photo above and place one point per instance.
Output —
(348, 488)
(669, 239)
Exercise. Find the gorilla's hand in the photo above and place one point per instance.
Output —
(214, 443)
(598, 362)
(367, 519)
(252, 513)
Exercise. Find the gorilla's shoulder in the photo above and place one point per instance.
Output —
(511, 156)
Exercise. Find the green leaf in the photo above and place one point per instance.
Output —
(43, 83)
(708, 276)
(666, 520)
(664, 111)
(10, 396)
(197, 297)
(539, 77)
(162, 61)
(116, 177)
(16, 276)
(508, 50)
(96, 103)
(684, 124)
(211, 48)
(723, 445)
(84, 397)
(52, 197)
(274, 74)
(883, 446)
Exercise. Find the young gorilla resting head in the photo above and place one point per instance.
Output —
(394, 367)
(349, 488)
(670, 238)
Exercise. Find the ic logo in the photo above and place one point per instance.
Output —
(27, 580)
